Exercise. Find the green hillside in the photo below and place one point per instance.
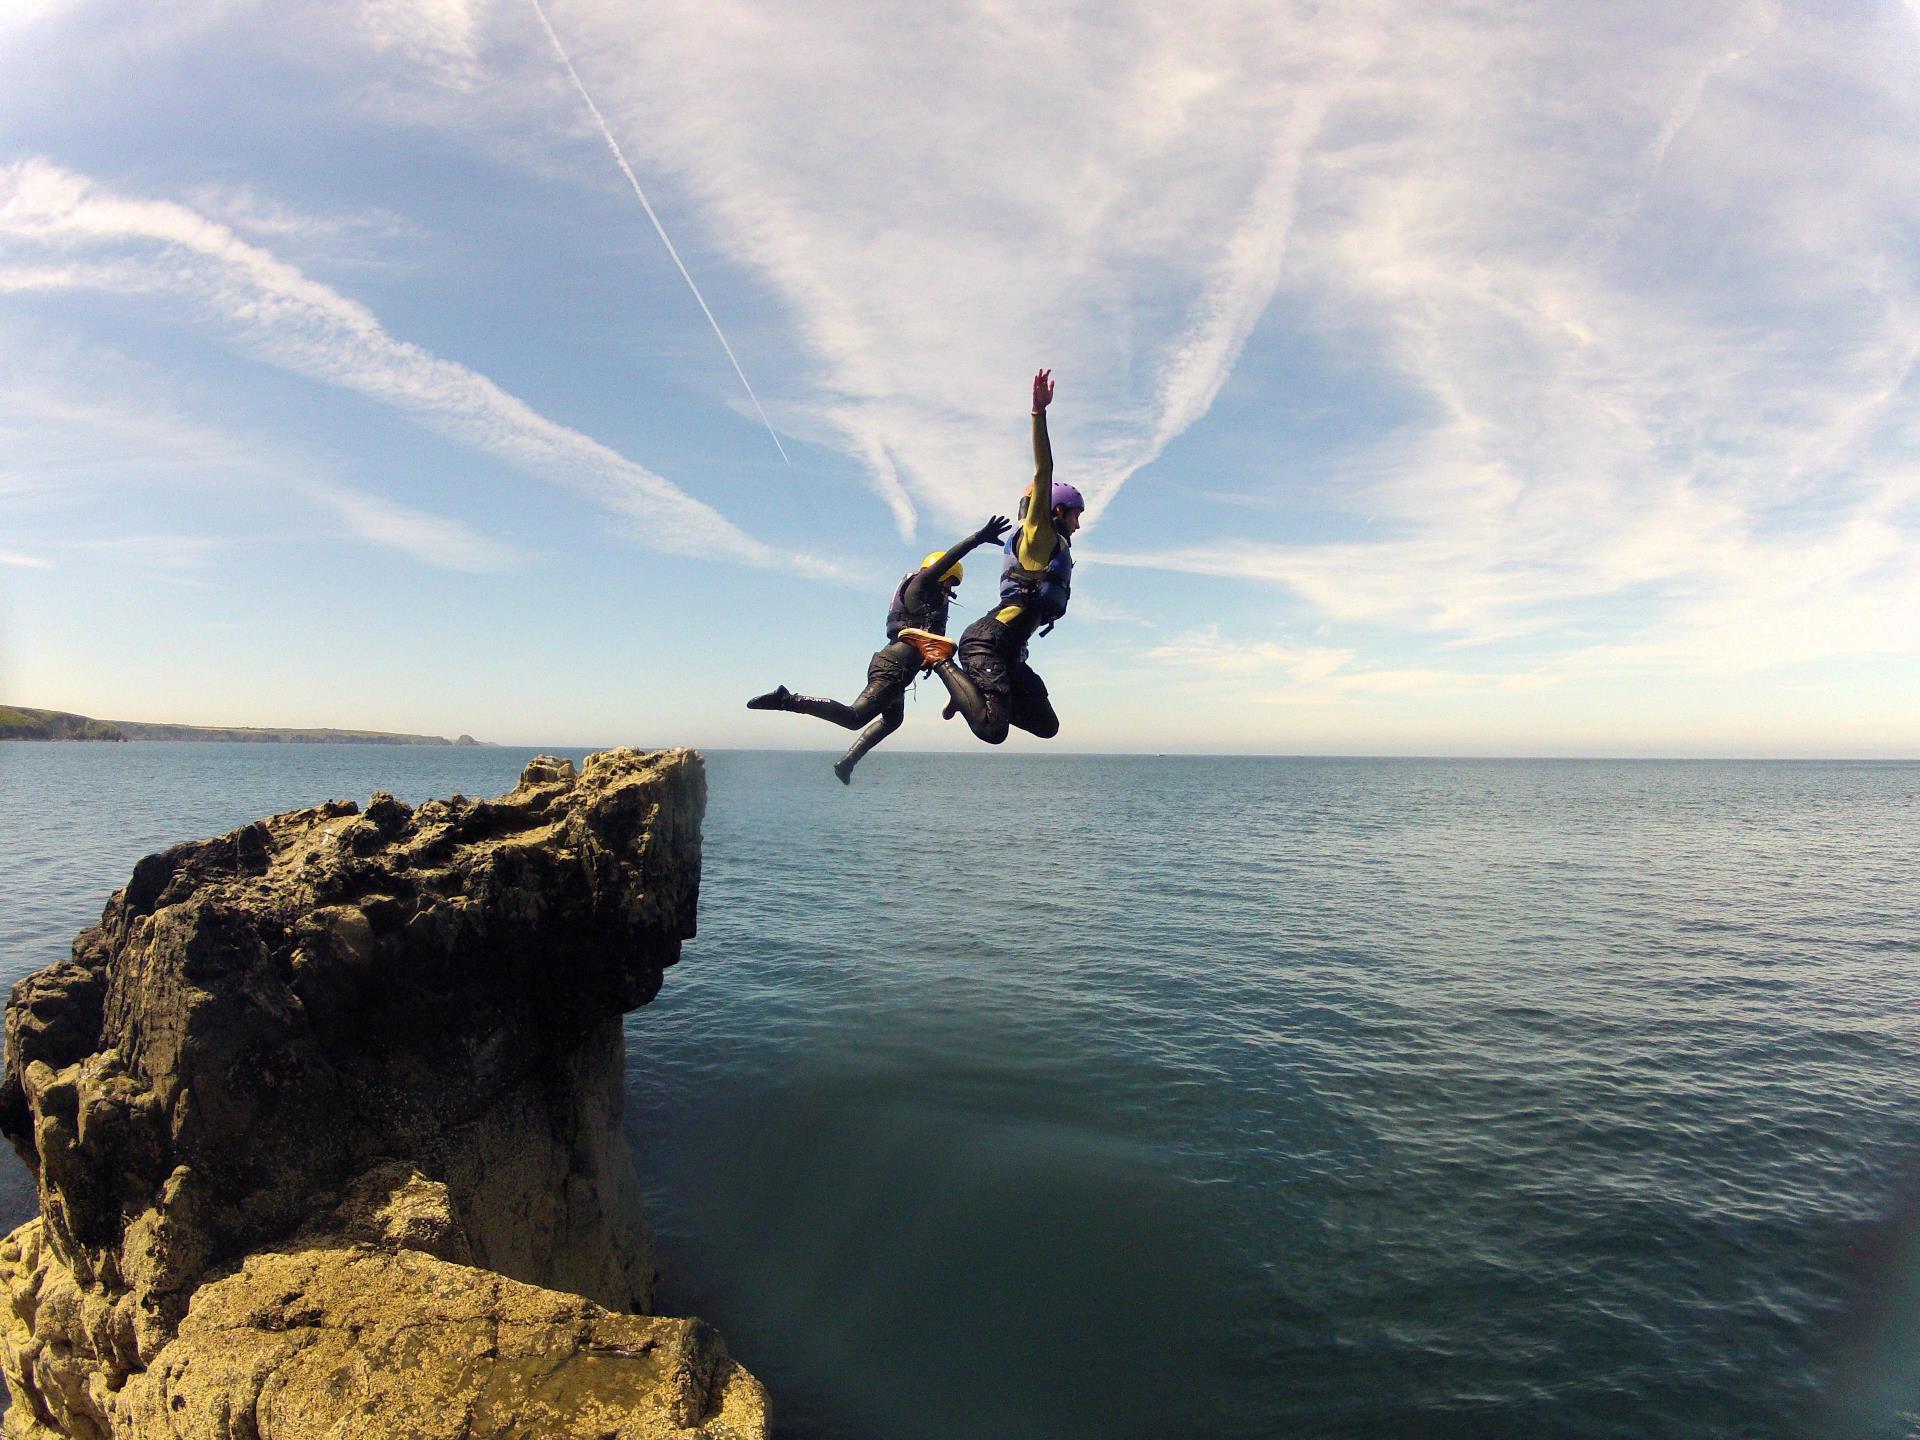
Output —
(20, 722)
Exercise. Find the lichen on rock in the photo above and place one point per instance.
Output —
(370, 1059)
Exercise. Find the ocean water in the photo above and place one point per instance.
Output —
(1020, 1096)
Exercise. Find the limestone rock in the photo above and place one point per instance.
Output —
(391, 1035)
(363, 1345)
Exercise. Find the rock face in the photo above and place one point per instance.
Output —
(325, 1118)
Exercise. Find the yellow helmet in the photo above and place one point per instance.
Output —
(954, 571)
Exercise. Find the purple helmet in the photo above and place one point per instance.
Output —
(1065, 497)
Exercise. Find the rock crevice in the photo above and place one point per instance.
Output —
(371, 1059)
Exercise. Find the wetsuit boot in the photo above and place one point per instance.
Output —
(870, 737)
(780, 699)
(888, 721)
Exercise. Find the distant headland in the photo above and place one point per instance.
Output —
(20, 722)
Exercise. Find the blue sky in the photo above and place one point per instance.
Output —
(1529, 379)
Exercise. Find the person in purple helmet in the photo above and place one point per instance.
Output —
(992, 684)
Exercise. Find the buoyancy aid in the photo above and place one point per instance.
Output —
(1044, 591)
(928, 616)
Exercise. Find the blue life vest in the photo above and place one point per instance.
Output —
(1043, 592)
(900, 615)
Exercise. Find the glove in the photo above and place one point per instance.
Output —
(993, 531)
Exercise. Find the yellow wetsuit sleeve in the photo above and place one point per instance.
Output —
(1037, 540)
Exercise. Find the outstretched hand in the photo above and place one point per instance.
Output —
(1042, 390)
(995, 528)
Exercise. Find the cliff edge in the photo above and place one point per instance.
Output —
(325, 1120)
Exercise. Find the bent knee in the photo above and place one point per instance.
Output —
(1045, 729)
(993, 734)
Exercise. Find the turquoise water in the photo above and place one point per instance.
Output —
(1234, 1097)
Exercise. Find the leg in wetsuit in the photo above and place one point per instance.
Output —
(997, 689)
(883, 702)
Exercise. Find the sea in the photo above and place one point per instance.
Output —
(1019, 1096)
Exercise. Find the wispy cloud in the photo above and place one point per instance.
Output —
(1608, 317)
(78, 424)
(1204, 649)
(435, 540)
(1654, 349)
(25, 13)
(73, 420)
(252, 212)
(113, 36)
(1688, 421)
(1105, 612)
(24, 562)
(1323, 674)
(978, 191)
(177, 555)
(1592, 422)
(293, 321)
(437, 36)
(633, 181)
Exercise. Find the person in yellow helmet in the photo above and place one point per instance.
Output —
(919, 605)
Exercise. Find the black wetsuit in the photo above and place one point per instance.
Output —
(889, 672)
(920, 601)
(994, 655)
(989, 679)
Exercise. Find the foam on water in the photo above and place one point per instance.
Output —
(1015, 1096)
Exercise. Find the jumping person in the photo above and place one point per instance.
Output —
(992, 685)
(919, 607)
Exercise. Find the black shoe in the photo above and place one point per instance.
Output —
(844, 769)
(781, 699)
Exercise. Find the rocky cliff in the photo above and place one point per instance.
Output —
(325, 1119)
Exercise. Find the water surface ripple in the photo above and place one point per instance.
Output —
(1019, 1096)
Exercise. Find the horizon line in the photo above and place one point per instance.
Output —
(986, 752)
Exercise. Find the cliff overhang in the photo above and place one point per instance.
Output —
(348, 1083)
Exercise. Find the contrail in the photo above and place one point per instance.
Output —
(627, 170)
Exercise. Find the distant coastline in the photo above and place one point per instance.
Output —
(21, 722)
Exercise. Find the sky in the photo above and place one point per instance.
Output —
(1444, 378)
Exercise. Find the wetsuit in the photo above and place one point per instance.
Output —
(919, 601)
(992, 685)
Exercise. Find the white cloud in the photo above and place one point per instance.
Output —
(1658, 339)
(24, 562)
(264, 217)
(433, 539)
(943, 200)
(77, 423)
(1635, 284)
(1638, 311)
(170, 553)
(43, 38)
(438, 36)
(1205, 650)
(1105, 612)
(73, 419)
(1324, 674)
(293, 321)
(24, 14)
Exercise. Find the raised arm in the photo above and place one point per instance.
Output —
(996, 526)
(1036, 526)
